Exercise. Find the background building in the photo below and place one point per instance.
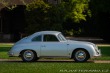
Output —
(12, 22)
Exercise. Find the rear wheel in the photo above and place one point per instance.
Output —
(80, 55)
(28, 56)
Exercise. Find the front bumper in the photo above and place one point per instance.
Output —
(98, 54)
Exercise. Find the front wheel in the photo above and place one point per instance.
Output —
(28, 56)
(80, 55)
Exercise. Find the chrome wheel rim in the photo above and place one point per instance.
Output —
(80, 55)
(28, 55)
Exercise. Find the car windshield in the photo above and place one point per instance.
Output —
(61, 37)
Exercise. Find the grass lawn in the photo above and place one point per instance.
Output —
(4, 48)
(53, 67)
(105, 50)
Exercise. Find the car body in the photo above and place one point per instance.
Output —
(52, 44)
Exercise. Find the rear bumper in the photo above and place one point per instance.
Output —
(10, 54)
(13, 54)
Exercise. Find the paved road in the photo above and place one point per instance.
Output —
(46, 60)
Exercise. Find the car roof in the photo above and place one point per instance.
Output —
(47, 32)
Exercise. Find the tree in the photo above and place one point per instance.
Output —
(101, 17)
(35, 16)
(77, 11)
(8, 4)
(40, 14)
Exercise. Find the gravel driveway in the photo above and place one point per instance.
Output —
(46, 60)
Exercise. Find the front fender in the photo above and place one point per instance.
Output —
(89, 48)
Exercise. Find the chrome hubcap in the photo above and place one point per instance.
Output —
(80, 55)
(28, 55)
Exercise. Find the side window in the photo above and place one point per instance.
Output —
(50, 38)
(37, 38)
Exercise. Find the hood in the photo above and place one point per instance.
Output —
(80, 42)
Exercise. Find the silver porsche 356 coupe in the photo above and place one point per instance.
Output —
(52, 44)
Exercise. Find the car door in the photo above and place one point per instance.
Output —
(51, 46)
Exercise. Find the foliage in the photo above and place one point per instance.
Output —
(7, 4)
(44, 16)
(100, 5)
(77, 9)
(36, 16)
(100, 20)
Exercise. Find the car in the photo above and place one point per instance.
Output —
(52, 44)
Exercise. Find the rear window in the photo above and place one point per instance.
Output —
(37, 38)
